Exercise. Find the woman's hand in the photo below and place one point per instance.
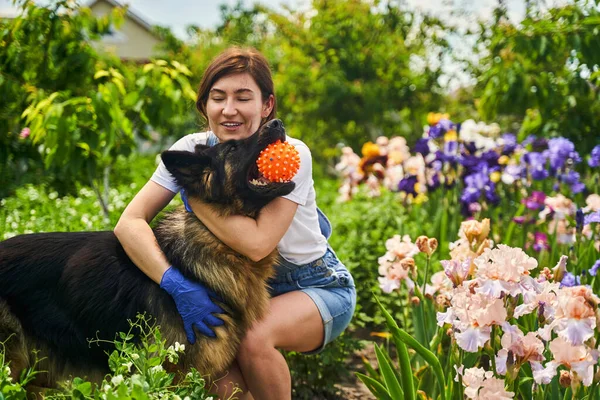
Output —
(193, 301)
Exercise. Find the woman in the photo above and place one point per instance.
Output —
(313, 295)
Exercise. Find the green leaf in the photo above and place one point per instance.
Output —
(430, 358)
(389, 376)
(375, 387)
(85, 388)
(101, 74)
(370, 370)
(406, 372)
(543, 44)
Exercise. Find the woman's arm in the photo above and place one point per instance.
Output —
(254, 238)
(136, 236)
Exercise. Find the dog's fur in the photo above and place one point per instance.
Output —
(58, 290)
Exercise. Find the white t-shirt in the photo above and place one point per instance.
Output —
(303, 241)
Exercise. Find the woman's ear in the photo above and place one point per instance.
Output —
(268, 106)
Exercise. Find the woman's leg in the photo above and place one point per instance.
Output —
(292, 323)
(224, 385)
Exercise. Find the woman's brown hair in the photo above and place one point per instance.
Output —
(238, 60)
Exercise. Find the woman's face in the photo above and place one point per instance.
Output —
(235, 108)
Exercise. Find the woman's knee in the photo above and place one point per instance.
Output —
(257, 342)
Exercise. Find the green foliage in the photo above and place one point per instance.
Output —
(46, 50)
(544, 71)
(347, 71)
(136, 371)
(398, 382)
(41, 208)
(86, 112)
(9, 388)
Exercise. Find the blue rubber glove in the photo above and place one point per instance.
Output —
(193, 301)
(184, 198)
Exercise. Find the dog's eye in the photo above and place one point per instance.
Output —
(232, 149)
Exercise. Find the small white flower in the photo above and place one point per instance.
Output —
(135, 356)
(158, 368)
(117, 380)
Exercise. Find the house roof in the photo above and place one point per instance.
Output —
(132, 15)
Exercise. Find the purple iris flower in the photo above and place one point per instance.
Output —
(437, 165)
(491, 158)
(535, 201)
(470, 147)
(490, 193)
(422, 146)
(579, 219)
(470, 194)
(446, 124)
(509, 143)
(478, 179)
(516, 171)
(539, 144)
(451, 147)
(537, 163)
(520, 220)
(578, 187)
(571, 178)
(594, 270)
(435, 131)
(407, 185)
(529, 140)
(592, 217)
(594, 160)
(559, 151)
(540, 242)
(434, 183)
(439, 129)
(570, 280)
(471, 163)
(445, 157)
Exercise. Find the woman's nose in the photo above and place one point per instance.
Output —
(229, 108)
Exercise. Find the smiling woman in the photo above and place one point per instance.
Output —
(312, 293)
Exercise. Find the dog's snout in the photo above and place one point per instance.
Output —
(275, 124)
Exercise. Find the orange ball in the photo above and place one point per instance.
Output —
(278, 162)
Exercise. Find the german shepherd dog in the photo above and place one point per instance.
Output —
(58, 290)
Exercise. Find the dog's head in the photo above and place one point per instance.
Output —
(227, 173)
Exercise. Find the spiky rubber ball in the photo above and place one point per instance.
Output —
(278, 162)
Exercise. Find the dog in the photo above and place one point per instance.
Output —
(58, 290)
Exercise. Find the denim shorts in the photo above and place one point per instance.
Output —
(328, 283)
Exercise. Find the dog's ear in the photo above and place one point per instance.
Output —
(200, 148)
(185, 166)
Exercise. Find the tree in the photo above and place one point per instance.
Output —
(349, 71)
(48, 49)
(544, 71)
(86, 117)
